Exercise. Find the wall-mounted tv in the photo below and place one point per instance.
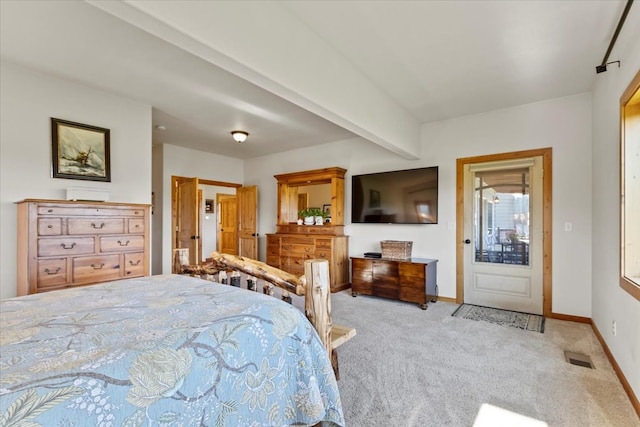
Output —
(407, 196)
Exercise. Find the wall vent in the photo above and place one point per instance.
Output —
(578, 359)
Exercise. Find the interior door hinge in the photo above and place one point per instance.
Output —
(195, 237)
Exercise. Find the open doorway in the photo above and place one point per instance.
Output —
(212, 215)
(196, 214)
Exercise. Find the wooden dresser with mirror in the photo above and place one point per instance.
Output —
(293, 243)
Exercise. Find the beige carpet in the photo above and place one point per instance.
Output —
(409, 367)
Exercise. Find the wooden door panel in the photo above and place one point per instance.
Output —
(247, 221)
(188, 218)
(362, 276)
(385, 279)
(227, 235)
(199, 209)
(411, 273)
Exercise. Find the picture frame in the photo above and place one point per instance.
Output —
(80, 151)
(326, 209)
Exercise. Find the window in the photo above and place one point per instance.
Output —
(630, 189)
(501, 215)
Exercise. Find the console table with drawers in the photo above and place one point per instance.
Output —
(411, 279)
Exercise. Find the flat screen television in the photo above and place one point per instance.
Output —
(407, 196)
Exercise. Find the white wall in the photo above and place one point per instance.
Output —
(28, 101)
(610, 302)
(563, 124)
(178, 161)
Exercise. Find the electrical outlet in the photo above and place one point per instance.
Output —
(613, 328)
(568, 226)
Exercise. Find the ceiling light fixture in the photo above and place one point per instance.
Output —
(239, 135)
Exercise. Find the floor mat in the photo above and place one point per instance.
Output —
(514, 319)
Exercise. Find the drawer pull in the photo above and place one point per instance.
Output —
(64, 245)
(46, 270)
(49, 226)
(49, 210)
(123, 244)
(97, 267)
(97, 227)
(135, 263)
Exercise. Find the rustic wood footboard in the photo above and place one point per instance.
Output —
(314, 286)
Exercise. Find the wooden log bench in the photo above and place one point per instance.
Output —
(314, 286)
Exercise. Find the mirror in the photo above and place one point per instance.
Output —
(320, 188)
(314, 196)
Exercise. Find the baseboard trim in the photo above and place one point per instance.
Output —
(570, 318)
(445, 299)
(625, 384)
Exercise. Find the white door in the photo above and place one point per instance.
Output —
(503, 234)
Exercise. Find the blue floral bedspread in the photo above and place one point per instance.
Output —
(162, 351)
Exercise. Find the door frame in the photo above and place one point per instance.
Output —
(175, 180)
(547, 197)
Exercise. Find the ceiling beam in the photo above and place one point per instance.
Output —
(263, 43)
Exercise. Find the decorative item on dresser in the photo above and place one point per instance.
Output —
(411, 280)
(292, 244)
(66, 243)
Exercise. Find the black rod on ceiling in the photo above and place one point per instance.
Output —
(603, 67)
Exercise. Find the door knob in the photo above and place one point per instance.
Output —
(467, 241)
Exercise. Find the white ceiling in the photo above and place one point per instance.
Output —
(436, 59)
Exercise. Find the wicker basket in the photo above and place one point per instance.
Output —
(396, 249)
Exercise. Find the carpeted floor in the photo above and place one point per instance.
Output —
(409, 367)
(513, 319)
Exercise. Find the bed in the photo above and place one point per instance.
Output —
(168, 350)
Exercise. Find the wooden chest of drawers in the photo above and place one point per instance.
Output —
(411, 280)
(288, 252)
(63, 244)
